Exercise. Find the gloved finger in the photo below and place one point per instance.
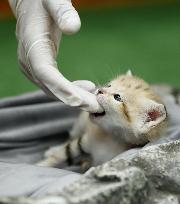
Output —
(44, 69)
(36, 81)
(64, 14)
(25, 71)
(24, 67)
(56, 36)
(85, 84)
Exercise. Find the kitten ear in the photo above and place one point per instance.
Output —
(151, 115)
(129, 73)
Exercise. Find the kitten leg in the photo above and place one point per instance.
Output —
(64, 154)
(51, 151)
(54, 156)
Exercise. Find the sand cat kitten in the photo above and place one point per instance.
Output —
(133, 115)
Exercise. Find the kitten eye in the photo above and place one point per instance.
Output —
(109, 85)
(117, 97)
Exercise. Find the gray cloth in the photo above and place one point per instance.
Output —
(31, 123)
(23, 180)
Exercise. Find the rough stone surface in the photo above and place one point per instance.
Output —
(109, 184)
(161, 164)
(147, 176)
(161, 198)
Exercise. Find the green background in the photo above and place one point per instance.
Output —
(144, 39)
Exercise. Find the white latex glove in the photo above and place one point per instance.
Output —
(40, 24)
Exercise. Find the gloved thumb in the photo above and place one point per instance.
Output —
(64, 14)
(85, 84)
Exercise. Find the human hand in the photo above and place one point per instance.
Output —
(40, 24)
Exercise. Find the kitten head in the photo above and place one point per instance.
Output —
(131, 109)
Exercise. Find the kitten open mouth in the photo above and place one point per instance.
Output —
(99, 114)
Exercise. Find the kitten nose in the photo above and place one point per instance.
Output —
(100, 91)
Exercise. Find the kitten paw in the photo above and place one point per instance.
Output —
(51, 151)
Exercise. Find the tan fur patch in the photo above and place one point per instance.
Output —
(138, 87)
